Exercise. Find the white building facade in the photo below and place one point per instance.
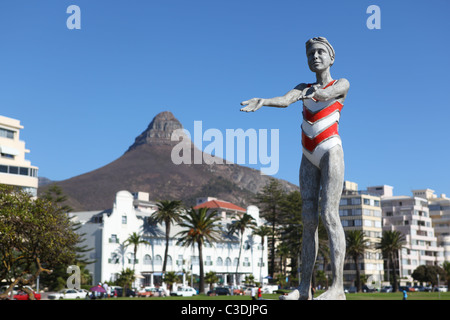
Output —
(361, 210)
(439, 207)
(410, 215)
(15, 170)
(106, 231)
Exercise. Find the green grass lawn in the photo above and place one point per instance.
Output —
(350, 296)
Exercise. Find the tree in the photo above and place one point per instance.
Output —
(168, 212)
(291, 228)
(57, 279)
(125, 279)
(390, 244)
(135, 240)
(446, 267)
(283, 253)
(170, 278)
(201, 227)
(269, 202)
(239, 226)
(211, 278)
(262, 231)
(425, 273)
(35, 237)
(357, 244)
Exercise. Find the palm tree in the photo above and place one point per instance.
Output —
(135, 240)
(211, 278)
(239, 226)
(356, 246)
(391, 243)
(125, 279)
(170, 278)
(200, 227)
(263, 232)
(168, 212)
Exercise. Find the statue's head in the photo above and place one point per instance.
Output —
(320, 54)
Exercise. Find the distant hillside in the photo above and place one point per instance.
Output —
(147, 166)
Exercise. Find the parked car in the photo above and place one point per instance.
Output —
(366, 288)
(158, 292)
(67, 294)
(351, 290)
(406, 288)
(184, 292)
(440, 289)
(219, 291)
(128, 293)
(151, 292)
(22, 295)
(419, 288)
(386, 289)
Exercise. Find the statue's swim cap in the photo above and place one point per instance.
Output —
(323, 41)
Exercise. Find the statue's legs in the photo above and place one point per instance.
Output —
(330, 177)
(309, 188)
(332, 181)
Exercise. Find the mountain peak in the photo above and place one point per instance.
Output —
(159, 131)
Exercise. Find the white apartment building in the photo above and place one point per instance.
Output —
(361, 210)
(410, 216)
(15, 170)
(106, 231)
(439, 207)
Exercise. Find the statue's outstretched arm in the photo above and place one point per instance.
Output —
(338, 90)
(278, 102)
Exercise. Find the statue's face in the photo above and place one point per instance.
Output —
(318, 57)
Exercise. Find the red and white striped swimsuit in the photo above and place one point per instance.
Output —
(320, 127)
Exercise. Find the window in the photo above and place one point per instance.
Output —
(219, 262)
(114, 239)
(235, 261)
(147, 259)
(158, 260)
(124, 219)
(208, 261)
(13, 170)
(228, 262)
(114, 258)
(7, 156)
(246, 262)
(23, 171)
(5, 133)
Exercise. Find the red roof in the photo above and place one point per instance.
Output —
(219, 204)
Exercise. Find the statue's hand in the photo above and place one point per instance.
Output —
(252, 104)
(308, 93)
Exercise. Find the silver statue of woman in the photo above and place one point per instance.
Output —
(322, 165)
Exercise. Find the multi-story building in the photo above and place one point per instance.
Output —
(361, 210)
(106, 231)
(15, 170)
(410, 216)
(439, 207)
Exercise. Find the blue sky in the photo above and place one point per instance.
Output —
(84, 95)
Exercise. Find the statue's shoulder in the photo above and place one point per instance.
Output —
(343, 81)
(302, 86)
